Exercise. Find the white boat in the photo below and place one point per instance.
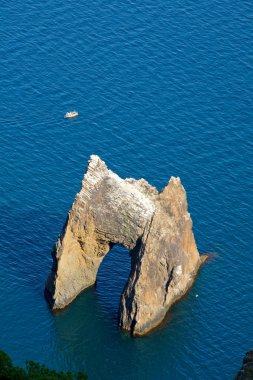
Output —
(71, 114)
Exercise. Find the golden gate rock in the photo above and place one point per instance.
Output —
(155, 227)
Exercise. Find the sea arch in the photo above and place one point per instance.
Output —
(155, 227)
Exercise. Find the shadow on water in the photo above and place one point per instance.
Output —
(88, 336)
(105, 294)
(93, 316)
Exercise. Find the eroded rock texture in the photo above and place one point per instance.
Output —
(157, 229)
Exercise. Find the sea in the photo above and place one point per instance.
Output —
(162, 88)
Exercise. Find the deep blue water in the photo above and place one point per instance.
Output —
(162, 88)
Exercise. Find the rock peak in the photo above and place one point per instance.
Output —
(95, 161)
(157, 229)
(175, 181)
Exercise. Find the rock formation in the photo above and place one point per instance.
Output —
(157, 229)
(246, 372)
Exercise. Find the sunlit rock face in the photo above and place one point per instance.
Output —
(157, 229)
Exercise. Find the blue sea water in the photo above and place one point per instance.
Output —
(162, 88)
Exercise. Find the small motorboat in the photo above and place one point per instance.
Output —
(71, 114)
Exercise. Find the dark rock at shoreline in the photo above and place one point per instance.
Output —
(246, 372)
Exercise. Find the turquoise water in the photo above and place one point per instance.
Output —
(162, 88)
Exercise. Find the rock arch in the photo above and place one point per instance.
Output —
(157, 229)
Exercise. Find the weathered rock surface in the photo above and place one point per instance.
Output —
(157, 229)
(246, 372)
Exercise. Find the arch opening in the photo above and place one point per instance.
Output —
(112, 277)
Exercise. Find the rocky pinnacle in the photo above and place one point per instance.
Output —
(155, 227)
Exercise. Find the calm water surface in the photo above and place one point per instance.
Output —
(162, 88)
